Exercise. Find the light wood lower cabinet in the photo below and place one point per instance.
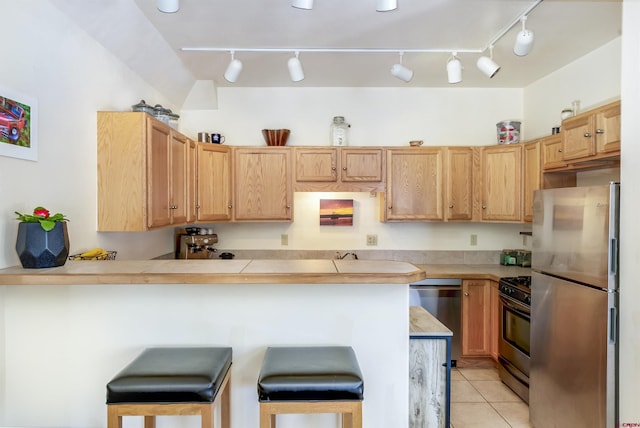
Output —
(476, 318)
(495, 332)
(263, 184)
(143, 168)
(214, 183)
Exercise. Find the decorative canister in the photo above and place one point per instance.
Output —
(508, 132)
(339, 132)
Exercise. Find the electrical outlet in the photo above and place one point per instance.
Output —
(284, 239)
(474, 239)
(372, 240)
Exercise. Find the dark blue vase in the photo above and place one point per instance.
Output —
(38, 248)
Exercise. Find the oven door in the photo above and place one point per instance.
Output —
(514, 340)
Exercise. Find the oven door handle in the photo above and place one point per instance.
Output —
(513, 307)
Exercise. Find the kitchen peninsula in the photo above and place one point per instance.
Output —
(68, 330)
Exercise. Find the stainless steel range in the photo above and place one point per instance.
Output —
(515, 332)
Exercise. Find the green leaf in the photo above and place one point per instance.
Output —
(47, 225)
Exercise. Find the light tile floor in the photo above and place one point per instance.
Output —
(480, 400)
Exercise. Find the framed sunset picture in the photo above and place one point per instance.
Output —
(336, 212)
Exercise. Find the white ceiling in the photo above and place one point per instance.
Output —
(151, 42)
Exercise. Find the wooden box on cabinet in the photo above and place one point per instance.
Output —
(476, 317)
(143, 168)
(262, 185)
(339, 169)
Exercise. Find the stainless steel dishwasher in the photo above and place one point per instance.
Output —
(441, 297)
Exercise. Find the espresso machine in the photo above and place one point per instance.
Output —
(196, 243)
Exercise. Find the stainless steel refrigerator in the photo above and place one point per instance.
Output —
(574, 308)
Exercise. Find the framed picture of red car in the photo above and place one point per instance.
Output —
(18, 125)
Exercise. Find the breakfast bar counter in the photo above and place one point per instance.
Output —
(66, 331)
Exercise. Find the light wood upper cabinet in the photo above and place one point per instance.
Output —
(142, 173)
(263, 185)
(593, 132)
(192, 182)
(551, 151)
(501, 183)
(532, 176)
(339, 169)
(476, 318)
(214, 183)
(459, 178)
(414, 190)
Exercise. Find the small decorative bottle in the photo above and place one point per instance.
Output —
(339, 132)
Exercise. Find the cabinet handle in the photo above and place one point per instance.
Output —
(333, 168)
(599, 131)
(288, 206)
(559, 150)
(466, 294)
(390, 207)
(450, 206)
(197, 207)
(484, 207)
(229, 206)
(344, 168)
(587, 134)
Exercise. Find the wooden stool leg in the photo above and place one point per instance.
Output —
(149, 422)
(356, 416)
(347, 420)
(225, 405)
(267, 420)
(206, 416)
(114, 420)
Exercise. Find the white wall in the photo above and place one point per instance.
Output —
(593, 79)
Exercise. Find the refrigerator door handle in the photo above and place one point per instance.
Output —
(613, 256)
(613, 326)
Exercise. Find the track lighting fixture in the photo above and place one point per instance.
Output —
(295, 68)
(454, 69)
(233, 69)
(487, 65)
(302, 4)
(168, 6)
(386, 5)
(524, 40)
(400, 71)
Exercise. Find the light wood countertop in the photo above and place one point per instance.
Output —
(423, 324)
(217, 272)
(464, 271)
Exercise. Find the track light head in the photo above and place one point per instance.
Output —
(233, 69)
(295, 68)
(487, 65)
(524, 40)
(386, 5)
(400, 71)
(302, 4)
(454, 69)
(168, 6)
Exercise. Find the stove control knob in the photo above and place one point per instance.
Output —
(527, 300)
(205, 240)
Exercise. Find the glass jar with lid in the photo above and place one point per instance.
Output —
(339, 132)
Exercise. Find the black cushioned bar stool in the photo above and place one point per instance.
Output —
(172, 381)
(298, 380)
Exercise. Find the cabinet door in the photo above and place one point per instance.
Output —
(263, 188)
(494, 335)
(316, 165)
(178, 193)
(608, 128)
(158, 174)
(414, 184)
(551, 151)
(459, 183)
(501, 183)
(361, 164)
(532, 177)
(192, 182)
(214, 183)
(476, 317)
(577, 137)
